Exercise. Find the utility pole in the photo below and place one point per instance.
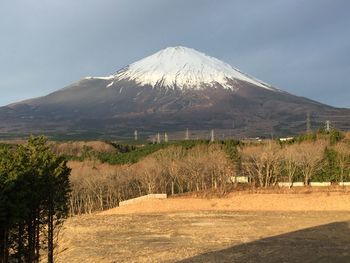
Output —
(165, 137)
(212, 137)
(135, 135)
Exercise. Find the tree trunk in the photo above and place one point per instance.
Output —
(268, 174)
(4, 250)
(306, 180)
(31, 239)
(20, 249)
(342, 175)
(37, 241)
(50, 234)
(2, 245)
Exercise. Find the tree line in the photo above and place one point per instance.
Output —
(204, 166)
(319, 157)
(172, 170)
(116, 153)
(34, 200)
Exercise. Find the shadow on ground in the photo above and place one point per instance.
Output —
(325, 243)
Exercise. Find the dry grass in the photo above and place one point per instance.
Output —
(229, 229)
(347, 136)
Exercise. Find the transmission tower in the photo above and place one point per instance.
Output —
(158, 137)
(327, 126)
(165, 137)
(308, 123)
(135, 135)
(212, 137)
(187, 135)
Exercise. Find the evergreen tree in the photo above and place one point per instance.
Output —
(34, 194)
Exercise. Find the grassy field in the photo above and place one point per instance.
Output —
(304, 227)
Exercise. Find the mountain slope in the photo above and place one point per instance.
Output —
(174, 89)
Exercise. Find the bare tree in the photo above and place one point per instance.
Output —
(221, 167)
(343, 158)
(310, 157)
(289, 156)
(260, 162)
(169, 160)
(148, 171)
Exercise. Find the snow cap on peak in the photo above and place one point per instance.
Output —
(184, 68)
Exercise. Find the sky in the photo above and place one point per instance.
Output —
(299, 46)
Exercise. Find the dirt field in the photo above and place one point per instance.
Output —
(241, 228)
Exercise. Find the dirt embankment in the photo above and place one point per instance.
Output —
(315, 201)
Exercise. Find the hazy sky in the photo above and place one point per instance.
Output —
(299, 46)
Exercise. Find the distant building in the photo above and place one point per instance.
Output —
(240, 179)
(286, 139)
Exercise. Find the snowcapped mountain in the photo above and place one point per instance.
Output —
(171, 90)
(183, 68)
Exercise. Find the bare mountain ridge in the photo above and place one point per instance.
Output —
(171, 90)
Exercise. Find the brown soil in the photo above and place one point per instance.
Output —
(242, 227)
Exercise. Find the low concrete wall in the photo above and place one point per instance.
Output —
(141, 198)
(344, 183)
(288, 184)
(298, 184)
(284, 184)
(320, 183)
